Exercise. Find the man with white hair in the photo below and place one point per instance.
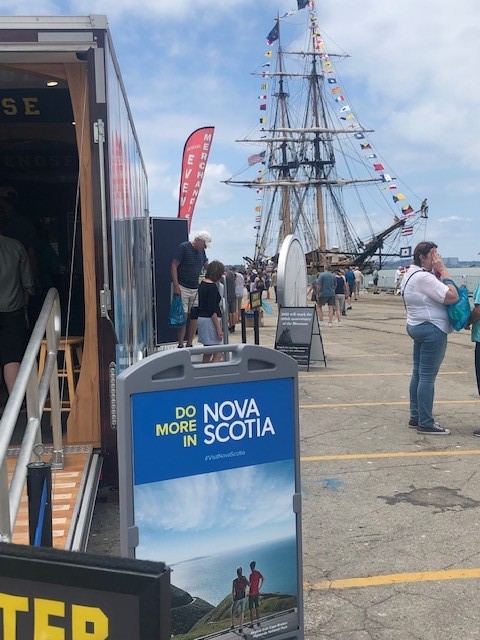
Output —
(188, 261)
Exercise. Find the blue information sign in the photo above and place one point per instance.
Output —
(211, 487)
(187, 432)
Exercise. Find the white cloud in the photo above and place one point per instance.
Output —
(454, 219)
(204, 502)
(187, 64)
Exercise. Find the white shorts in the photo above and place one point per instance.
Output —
(189, 298)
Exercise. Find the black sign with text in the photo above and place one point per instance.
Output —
(298, 334)
(35, 105)
(47, 593)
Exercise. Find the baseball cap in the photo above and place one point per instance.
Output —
(205, 236)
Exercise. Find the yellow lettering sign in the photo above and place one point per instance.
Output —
(88, 623)
(94, 617)
(43, 609)
(10, 606)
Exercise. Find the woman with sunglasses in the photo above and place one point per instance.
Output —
(426, 291)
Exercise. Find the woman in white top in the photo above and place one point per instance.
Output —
(427, 289)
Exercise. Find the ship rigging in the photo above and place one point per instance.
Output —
(318, 162)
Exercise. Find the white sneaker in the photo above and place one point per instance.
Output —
(321, 323)
(330, 324)
(339, 324)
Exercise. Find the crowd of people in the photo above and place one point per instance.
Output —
(336, 289)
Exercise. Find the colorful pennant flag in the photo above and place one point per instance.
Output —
(345, 109)
(273, 35)
(302, 4)
(268, 54)
(265, 64)
(332, 80)
(407, 210)
(336, 91)
(264, 86)
(349, 117)
(258, 208)
(359, 136)
(263, 107)
(365, 145)
(386, 177)
(405, 252)
(372, 155)
(256, 158)
(407, 231)
(379, 167)
(263, 120)
(340, 98)
(398, 196)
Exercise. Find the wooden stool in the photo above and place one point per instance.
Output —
(70, 345)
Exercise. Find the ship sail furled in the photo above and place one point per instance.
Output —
(318, 162)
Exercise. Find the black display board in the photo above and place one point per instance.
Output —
(167, 234)
(46, 593)
(298, 335)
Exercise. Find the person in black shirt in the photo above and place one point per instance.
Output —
(208, 311)
(188, 261)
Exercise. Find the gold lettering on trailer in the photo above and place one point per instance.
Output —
(9, 107)
(31, 106)
(27, 106)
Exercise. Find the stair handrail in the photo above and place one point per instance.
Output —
(36, 390)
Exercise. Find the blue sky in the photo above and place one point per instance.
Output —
(412, 77)
(215, 512)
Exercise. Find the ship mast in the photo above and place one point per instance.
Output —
(318, 165)
(302, 192)
(284, 213)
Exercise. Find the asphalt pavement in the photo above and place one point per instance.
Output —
(391, 518)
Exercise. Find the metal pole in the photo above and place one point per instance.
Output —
(256, 331)
(39, 491)
(244, 326)
(5, 529)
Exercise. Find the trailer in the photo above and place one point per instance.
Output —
(69, 149)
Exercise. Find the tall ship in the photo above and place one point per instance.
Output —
(313, 164)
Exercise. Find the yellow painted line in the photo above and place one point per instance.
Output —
(393, 454)
(394, 578)
(380, 404)
(362, 355)
(374, 375)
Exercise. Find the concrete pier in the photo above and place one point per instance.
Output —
(391, 518)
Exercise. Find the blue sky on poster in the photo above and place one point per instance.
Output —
(411, 77)
(215, 512)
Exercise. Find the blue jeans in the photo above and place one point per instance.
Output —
(429, 348)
